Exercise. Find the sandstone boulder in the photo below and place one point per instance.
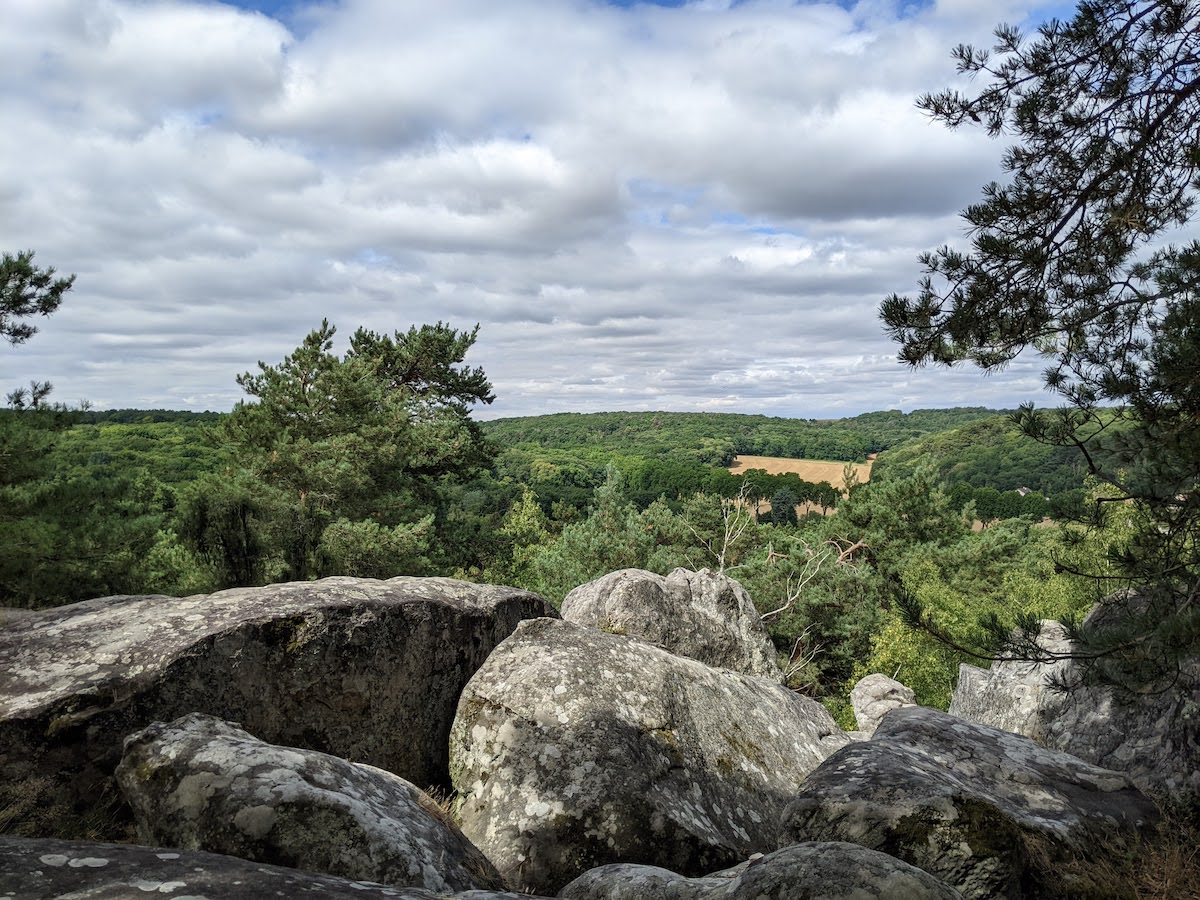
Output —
(202, 784)
(809, 871)
(986, 811)
(874, 697)
(701, 615)
(43, 868)
(574, 748)
(364, 669)
(1153, 737)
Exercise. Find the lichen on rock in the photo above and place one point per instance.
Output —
(574, 748)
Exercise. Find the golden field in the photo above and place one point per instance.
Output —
(809, 469)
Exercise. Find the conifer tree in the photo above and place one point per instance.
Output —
(341, 459)
(26, 290)
(1073, 258)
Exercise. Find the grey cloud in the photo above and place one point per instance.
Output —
(694, 208)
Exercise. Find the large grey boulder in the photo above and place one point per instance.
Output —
(36, 868)
(809, 871)
(199, 783)
(703, 615)
(574, 748)
(988, 812)
(874, 696)
(1153, 736)
(364, 669)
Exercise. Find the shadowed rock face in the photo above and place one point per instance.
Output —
(202, 784)
(1153, 737)
(44, 868)
(812, 871)
(574, 748)
(986, 811)
(364, 669)
(701, 615)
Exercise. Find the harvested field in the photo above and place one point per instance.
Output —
(809, 469)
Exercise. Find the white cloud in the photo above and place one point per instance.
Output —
(693, 208)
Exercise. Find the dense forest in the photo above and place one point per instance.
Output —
(371, 464)
(155, 501)
(716, 438)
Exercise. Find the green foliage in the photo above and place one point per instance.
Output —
(525, 530)
(990, 453)
(170, 451)
(783, 507)
(709, 531)
(1071, 258)
(819, 598)
(362, 444)
(26, 290)
(65, 534)
(367, 549)
(612, 537)
(170, 568)
(226, 520)
(74, 535)
(1006, 571)
(713, 439)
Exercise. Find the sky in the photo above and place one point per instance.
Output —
(681, 206)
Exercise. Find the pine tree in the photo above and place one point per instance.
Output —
(1071, 258)
(26, 290)
(341, 460)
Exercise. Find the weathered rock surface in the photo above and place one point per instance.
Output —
(37, 868)
(1154, 737)
(874, 697)
(199, 783)
(574, 748)
(364, 669)
(986, 811)
(809, 871)
(701, 615)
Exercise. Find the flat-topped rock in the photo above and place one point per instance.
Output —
(364, 669)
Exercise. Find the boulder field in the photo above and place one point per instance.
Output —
(1154, 736)
(363, 669)
(274, 742)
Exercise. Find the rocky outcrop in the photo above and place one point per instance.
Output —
(1011, 694)
(1153, 736)
(364, 669)
(874, 697)
(812, 871)
(986, 811)
(199, 783)
(701, 615)
(38, 867)
(574, 748)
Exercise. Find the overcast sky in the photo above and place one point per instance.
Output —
(681, 206)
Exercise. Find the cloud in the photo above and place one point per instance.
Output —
(688, 207)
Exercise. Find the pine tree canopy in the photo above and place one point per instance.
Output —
(26, 290)
(1085, 255)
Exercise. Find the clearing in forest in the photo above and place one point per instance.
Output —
(813, 470)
